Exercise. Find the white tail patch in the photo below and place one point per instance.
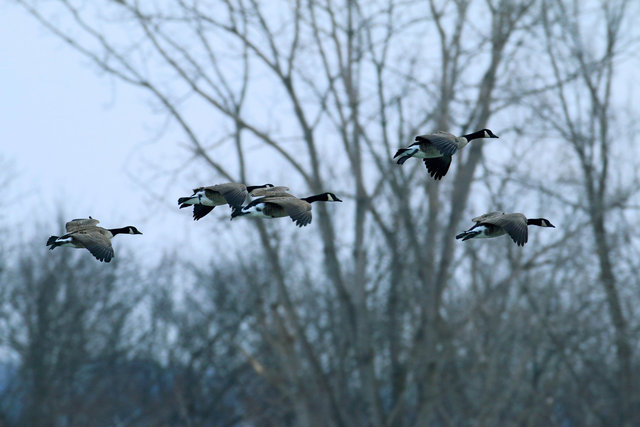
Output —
(483, 232)
(65, 242)
(199, 198)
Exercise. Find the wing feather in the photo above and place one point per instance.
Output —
(438, 166)
(270, 191)
(234, 193)
(96, 241)
(515, 224)
(77, 224)
(444, 141)
(298, 210)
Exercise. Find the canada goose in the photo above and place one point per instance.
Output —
(282, 204)
(85, 233)
(437, 148)
(235, 194)
(496, 224)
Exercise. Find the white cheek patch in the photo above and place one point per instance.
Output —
(329, 198)
(486, 134)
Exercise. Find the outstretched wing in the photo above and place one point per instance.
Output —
(444, 141)
(298, 210)
(489, 215)
(78, 224)
(234, 193)
(276, 197)
(270, 191)
(438, 166)
(514, 224)
(199, 211)
(97, 242)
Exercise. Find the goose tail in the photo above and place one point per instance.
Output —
(185, 202)
(51, 242)
(400, 152)
(404, 154)
(466, 235)
(236, 212)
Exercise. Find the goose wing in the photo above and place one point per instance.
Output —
(200, 211)
(298, 210)
(445, 142)
(515, 224)
(80, 223)
(266, 199)
(234, 193)
(97, 241)
(269, 191)
(489, 215)
(438, 166)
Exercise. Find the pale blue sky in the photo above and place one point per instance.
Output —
(56, 111)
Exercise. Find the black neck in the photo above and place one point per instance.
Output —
(475, 135)
(535, 221)
(250, 188)
(123, 230)
(316, 198)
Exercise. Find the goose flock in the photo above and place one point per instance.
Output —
(269, 201)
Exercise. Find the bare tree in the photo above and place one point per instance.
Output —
(581, 113)
(58, 318)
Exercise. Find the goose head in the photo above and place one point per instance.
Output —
(322, 197)
(488, 134)
(132, 230)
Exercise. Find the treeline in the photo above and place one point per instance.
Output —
(524, 342)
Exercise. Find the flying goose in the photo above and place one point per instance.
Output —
(437, 148)
(496, 224)
(279, 205)
(235, 194)
(85, 233)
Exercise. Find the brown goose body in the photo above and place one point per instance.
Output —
(495, 224)
(85, 234)
(436, 149)
(279, 205)
(234, 194)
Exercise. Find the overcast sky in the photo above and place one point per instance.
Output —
(56, 111)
